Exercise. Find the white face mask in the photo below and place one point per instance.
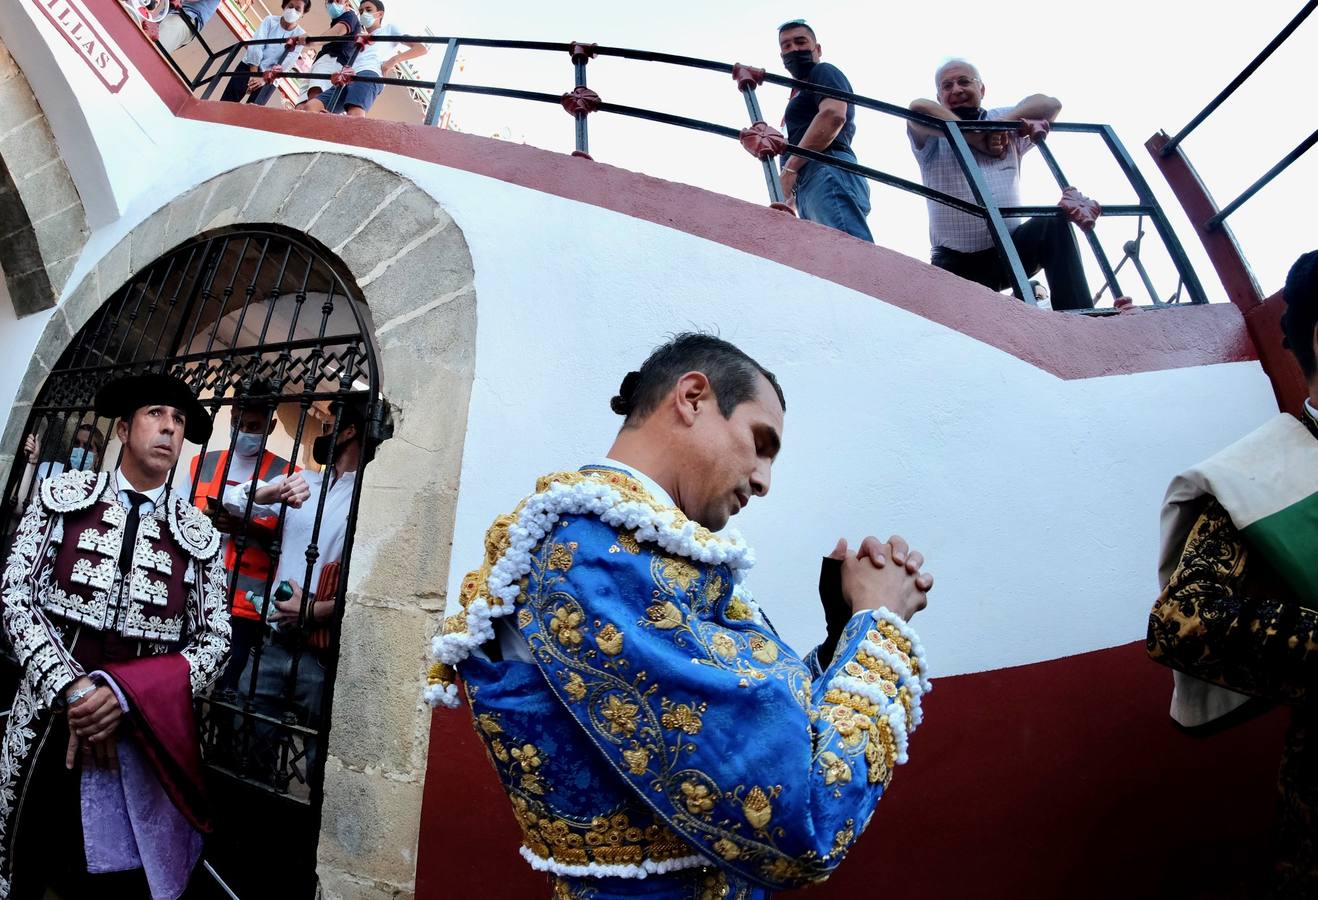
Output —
(368, 20)
(291, 15)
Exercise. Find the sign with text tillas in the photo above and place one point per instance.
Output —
(77, 27)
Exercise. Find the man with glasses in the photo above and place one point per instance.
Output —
(961, 242)
(817, 191)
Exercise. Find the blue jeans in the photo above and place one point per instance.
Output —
(834, 197)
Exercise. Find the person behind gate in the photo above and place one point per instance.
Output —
(248, 560)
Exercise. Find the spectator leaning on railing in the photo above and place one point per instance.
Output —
(334, 55)
(817, 191)
(962, 242)
(174, 29)
(356, 97)
(261, 57)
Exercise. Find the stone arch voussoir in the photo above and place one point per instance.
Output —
(414, 268)
(43, 227)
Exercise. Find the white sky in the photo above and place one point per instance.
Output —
(1139, 66)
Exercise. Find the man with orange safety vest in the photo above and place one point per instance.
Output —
(248, 560)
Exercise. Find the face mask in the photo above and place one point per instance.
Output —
(291, 15)
(81, 458)
(247, 444)
(799, 63)
(334, 9)
(368, 20)
(320, 448)
(969, 113)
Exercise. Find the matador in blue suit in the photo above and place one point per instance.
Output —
(655, 735)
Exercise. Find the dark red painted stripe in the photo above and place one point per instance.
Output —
(1067, 346)
(1064, 779)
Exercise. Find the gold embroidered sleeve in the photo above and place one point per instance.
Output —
(1225, 620)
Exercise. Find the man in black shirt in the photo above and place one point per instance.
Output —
(817, 191)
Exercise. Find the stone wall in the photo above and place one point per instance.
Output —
(42, 224)
(413, 267)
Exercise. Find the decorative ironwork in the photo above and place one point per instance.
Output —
(580, 53)
(252, 320)
(748, 78)
(581, 101)
(763, 141)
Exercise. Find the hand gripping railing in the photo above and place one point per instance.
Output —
(762, 140)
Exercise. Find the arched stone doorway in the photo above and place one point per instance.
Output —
(394, 244)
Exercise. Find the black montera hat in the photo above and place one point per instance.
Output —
(124, 396)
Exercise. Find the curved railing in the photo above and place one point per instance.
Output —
(766, 143)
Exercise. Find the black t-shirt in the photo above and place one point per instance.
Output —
(802, 109)
(342, 50)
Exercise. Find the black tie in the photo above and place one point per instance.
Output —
(135, 501)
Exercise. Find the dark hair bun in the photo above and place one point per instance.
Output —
(624, 402)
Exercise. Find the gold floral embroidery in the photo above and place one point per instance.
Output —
(565, 626)
(628, 543)
(714, 590)
(757, 809)
(612, 840)
(723, 644)
(609, 639)
(575, 687)
(671, 572)
(664, 615)
(737, 611)
(881, 753)
(714, 886)
(489, 724)
(842, 840)
(455, 623)
(682, 717)
(441, 673)
(637, 759)
(560, 557)
(850, 724)
(763, 649)
(835, 768)
(524, 618)
(726, 849)
(620, 715)
(697, 797)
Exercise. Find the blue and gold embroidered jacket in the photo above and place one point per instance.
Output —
(663, 728)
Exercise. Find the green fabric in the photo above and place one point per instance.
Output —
(1288, 542)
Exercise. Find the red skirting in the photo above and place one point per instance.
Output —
(1062, 779)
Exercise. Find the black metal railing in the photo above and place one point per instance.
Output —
(1285, 162)
(581, 102)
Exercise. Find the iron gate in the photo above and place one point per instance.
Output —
(256, 320)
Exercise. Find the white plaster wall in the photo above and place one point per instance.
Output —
(1034, 499)
(17, 334)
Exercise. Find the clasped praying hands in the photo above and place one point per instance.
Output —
(884, 573)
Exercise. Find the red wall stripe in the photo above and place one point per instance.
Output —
(1061, 779)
